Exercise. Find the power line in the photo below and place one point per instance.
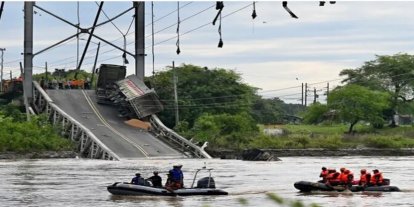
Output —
(204, 25)
(172, 12)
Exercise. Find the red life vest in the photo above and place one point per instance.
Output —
(323, 174)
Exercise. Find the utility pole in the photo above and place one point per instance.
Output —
(46, 82)
(327, 91)
(28, 49)
(26, 103)
(11, 76)
(302, 94)
(139, 39)
(306, 94)
(1, 73)
(177, 119)
(314, 95)
(94, 65)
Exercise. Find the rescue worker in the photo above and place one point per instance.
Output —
(376, 178)
(323, 175)
(156, 180)
(177, 178)
(138, 180)
(331, 173)
(350, 178)
(343, 176)
(363, 178)
(347, 177)
(334, 180)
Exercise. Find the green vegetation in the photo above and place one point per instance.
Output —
(355, 103)
(334, 137)
(217, 107)
(393, 74)
(18, 135)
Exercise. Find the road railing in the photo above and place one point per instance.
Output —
(88, 145)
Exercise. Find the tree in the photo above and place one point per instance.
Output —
(225, 130)
(394, 74)
(315, 113)
(201, 90)
(267, 111)
(355, 103)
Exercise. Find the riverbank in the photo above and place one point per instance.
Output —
(38, 155)
(276, 153)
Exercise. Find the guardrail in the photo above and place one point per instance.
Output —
(172, 137)
(88, 145)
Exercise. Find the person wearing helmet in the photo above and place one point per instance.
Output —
(138, 180)
(323, 175)
(156, 180)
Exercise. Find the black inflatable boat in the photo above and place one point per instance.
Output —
(205, 186)
(306, 186)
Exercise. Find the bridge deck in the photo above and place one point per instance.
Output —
(124, 140)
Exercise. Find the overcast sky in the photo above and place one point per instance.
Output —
(271, 52)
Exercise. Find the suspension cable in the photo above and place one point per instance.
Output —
(178, 28)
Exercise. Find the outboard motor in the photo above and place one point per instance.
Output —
(386, 181)
(206, 182)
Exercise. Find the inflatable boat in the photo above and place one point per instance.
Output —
(205, 186)
(306, 186)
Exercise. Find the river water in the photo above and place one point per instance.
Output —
(82, 182)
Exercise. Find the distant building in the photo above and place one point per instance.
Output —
(406, 119)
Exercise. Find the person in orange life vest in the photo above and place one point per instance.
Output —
(364, 178)
(342, 176)
(323, 175)
(331, 173)
(334, 180)
(350, 178)
(376, 178)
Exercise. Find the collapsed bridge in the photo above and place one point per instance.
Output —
(115, 124)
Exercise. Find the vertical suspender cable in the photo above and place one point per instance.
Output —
(152, 39)
(254, 15)
(219, 7)
(178, 28)
(220, 44)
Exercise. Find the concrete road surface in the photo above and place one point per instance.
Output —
(126, 141)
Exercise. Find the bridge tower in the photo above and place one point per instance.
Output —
(139, 55)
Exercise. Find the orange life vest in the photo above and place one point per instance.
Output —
(330, 176)
(324, 174)
(376, 178)
(363, 178)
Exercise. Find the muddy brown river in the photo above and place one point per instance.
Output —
(82, 182)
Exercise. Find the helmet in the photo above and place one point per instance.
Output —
(375, 171)
(363, 170)
(155, 172)
(323, 168)
(342, 169)
(137, 174)
(177, 165)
